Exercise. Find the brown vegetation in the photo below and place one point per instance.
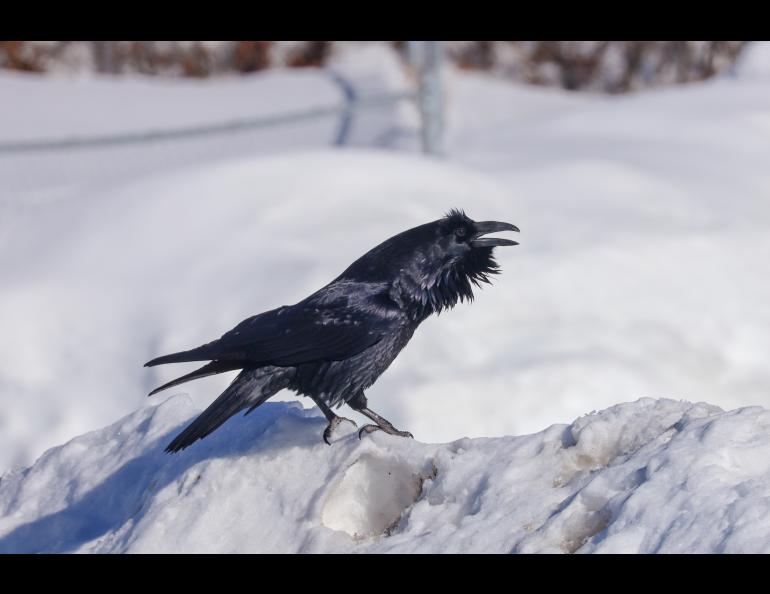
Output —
(606, 66)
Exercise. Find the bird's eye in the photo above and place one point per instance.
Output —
(460, 232)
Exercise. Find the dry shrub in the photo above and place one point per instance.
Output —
(604, 66)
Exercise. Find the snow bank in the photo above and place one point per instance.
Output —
(648, 476)
(39, 108)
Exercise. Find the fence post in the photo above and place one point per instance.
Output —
(104, 56)
(426, 57)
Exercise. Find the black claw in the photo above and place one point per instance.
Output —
(333, 424)
(368, 429)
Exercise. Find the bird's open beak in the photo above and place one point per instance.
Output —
(487, 227)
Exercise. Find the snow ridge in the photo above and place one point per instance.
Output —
(646, 476)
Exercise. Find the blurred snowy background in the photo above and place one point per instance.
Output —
(638, 173)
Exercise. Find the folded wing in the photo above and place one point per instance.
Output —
(292, 335)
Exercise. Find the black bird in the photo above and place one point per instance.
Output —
(334, 344)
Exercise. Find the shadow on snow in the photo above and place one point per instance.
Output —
(122, 496)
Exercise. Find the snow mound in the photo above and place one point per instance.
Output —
(646, 476)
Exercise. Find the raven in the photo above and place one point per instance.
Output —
(334, 344)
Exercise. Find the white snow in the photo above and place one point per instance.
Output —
(647, 476)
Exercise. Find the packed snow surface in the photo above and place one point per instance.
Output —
(642, 269)
(647, 476)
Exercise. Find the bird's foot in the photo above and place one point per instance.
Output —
(332, 426)
(390, 429)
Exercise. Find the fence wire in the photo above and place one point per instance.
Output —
(73, 142)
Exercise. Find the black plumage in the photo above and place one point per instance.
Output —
(334, 344)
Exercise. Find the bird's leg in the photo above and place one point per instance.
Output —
(358, 404)
(334, 420)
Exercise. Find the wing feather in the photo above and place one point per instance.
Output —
(302, 333)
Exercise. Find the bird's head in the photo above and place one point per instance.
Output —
(436, 264)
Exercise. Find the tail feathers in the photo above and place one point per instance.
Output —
(201, 353)
(249, 389)
(209, 369)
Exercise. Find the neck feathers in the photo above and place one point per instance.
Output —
(452, 283)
